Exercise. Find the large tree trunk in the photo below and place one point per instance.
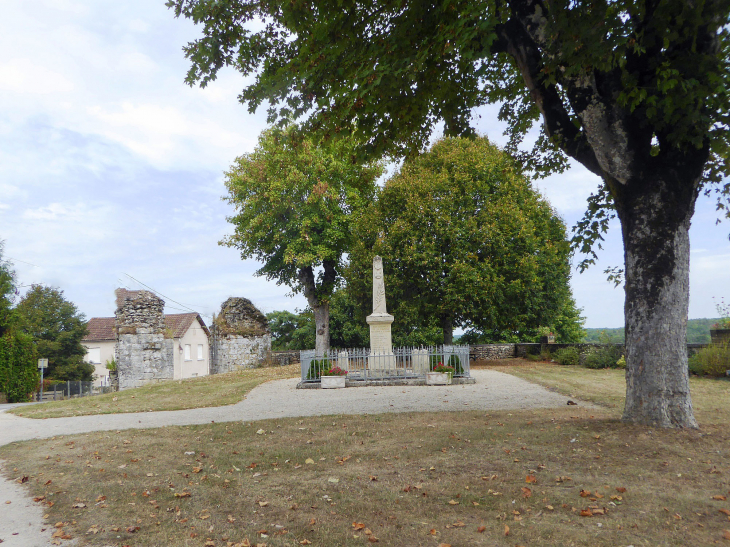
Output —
(655, 223)
(320, 306)
(448, 328)
(322, 328)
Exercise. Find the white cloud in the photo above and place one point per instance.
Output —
(24, 76)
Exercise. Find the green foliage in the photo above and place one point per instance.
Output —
(466, 241)
(698, 332)
(567, 356)
(290, 331)
(57, 327)
(348, 328)
(7, 293)
(317, 368)
(111, 365)
(713, 360)
(294, 202)
(605, 355)
(19, 375)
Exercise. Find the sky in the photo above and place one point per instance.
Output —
(111, 169)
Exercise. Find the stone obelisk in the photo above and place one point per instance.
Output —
(381, 345)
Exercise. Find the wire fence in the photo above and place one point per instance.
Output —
(401, 363)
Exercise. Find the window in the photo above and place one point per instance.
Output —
(200, 352)
(187, 352)
(94, 356)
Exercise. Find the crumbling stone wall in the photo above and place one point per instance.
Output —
(241, 336)
(144, 353)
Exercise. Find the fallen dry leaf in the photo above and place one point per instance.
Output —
(305, 541)
(586, 513)
(726, 534)
(719, 497)
(526, 492)
(373, 539)
(453, 502)
(481, 529)
(358, 525)
(506, 530)
(620, 489)
(531, 479)
(182, 494)
(585, 493)
(725, 511)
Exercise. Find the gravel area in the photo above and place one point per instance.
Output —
(278, 399)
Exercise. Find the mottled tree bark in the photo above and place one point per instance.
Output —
(322, 326)
(318, 299)
(655, 225)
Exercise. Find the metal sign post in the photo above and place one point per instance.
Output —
(42, 364)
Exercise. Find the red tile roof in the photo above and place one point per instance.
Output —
(180, 323)
(102, 328)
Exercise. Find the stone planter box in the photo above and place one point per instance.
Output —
(332, 382)
(720, 336)
(438, 378)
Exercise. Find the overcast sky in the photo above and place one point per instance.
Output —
(110, 167)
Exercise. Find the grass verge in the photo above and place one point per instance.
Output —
(564, 477)
(607, 387)
(214, 390)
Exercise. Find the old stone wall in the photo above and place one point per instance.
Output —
(233, 352)
(285, 357)
(241, 337)
(491, 352)
(143, 352)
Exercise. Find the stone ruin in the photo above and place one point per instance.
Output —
(241, 337)
(144, 353)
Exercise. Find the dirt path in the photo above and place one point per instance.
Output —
(278, 399)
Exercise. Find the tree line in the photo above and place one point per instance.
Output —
(41, 324)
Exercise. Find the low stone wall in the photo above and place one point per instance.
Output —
(491, 352)
(285, 357)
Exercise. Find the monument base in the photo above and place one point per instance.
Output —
(381, 344)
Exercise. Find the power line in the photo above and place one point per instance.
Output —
(166, 297)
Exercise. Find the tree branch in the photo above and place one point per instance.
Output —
(515, 40)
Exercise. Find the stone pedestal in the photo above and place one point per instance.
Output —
(381, 344)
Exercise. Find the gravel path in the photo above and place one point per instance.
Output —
(278, 399)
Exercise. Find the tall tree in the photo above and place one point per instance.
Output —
(57, 327)
(294, 204)
(18, 372)
(635, 90)
(7, 292)
(467, 242)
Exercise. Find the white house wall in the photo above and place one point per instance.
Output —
(192, 367)
(106, 353)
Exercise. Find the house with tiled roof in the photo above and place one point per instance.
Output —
(190, 336)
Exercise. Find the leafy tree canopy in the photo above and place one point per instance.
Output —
(56, 327)
(294, 203)
(466, 242)
(7, 292)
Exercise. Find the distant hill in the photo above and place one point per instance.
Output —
(698, 332)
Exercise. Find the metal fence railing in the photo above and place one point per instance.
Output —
(361, 364)
(69, 389)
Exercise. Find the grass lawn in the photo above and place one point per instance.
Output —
(215, 390)
(607, 387)
(569, 476)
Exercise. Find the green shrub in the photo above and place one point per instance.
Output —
(567, 356)
(604, 356)
(533, 357)
(19, 375)
(316, 368)
(713, 360)
(453, 362)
